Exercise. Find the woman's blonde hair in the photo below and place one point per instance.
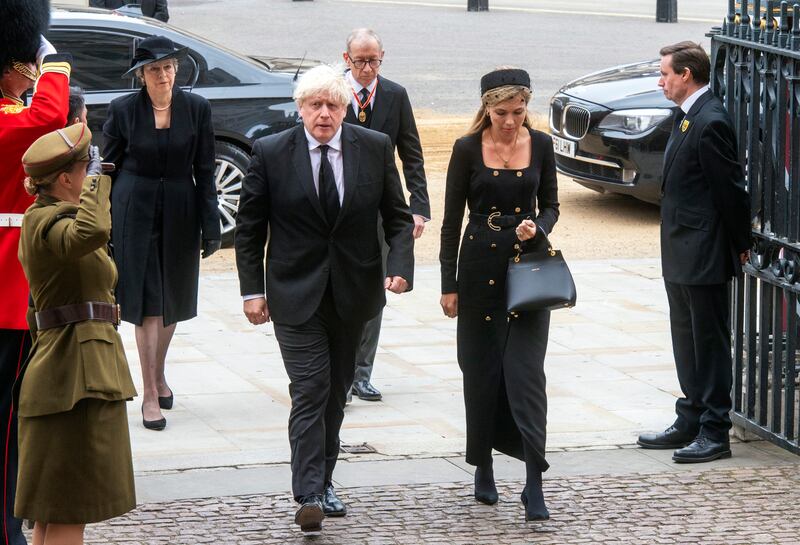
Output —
(492, 98)
(35, 185)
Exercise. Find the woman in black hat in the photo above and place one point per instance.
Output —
(163, 207)
(504, 171)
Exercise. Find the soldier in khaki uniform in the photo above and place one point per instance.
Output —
(74, 449)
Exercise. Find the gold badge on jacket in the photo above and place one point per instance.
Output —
(685, 125)
(12, 108)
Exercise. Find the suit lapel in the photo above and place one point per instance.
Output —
(350, 159)
(381, 106)
(302, 168)
(350, 117)
(679, 135)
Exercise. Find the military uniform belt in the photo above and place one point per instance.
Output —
(10, 220)
(496, 221)
(81, 312)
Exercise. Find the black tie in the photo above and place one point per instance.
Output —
(367, 110)
(328, 195)
(676, 123)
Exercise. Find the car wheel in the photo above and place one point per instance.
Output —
(231, 167)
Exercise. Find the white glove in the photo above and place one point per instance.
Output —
(45, 48)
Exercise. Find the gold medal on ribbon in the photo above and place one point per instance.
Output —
(362, 116)
(362, 106)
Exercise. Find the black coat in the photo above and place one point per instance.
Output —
(305, 253)
(150, 8)
(189, 198)
(705, 209)
(484, 253)
(392, 115)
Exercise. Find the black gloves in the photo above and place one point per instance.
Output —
(210, 247)
(95, 167)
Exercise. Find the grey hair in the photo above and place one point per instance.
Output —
(360, 34)
(323, 79)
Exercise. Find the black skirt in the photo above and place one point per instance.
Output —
(153, 291)
(502, 359)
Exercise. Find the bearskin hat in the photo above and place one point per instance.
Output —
(21, 24)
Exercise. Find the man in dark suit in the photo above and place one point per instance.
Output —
(705, 239)
(382, 105)
(317, 192)
(150, 8)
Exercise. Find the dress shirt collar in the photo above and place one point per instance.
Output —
(357, 86)
(691, 99)
(335, 142)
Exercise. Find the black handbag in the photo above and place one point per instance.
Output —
(539, 279)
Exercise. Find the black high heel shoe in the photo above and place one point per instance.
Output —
(165, 402)
(156, 425)
(534, 513)
(485, 489)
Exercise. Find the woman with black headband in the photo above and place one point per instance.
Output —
(504, 171)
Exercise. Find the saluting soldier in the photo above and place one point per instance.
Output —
(75, 462)
(24, 57)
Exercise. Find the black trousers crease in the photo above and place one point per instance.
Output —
(318, 356)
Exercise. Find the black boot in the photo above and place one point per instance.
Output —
(533, 497)
(485, 489)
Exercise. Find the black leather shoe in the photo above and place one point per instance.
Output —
(332, 506)
(156, 425)
(702, 449)
(165, 402)
(670, 438)
(366, 391)
(309, 516)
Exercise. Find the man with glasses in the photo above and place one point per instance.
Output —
(382, 105)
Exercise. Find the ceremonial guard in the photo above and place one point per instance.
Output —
(22, 65)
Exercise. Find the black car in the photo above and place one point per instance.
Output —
(610, 130)
(250, 97)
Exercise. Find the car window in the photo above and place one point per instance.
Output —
(99, 58)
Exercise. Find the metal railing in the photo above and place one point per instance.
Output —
(755, 62)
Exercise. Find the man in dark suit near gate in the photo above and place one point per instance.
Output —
(317, 192)
(382, 105)
(705, 239)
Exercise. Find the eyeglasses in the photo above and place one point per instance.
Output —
(361, 63)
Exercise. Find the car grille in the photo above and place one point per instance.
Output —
(590, 169)
(576, 122)
(556, 112)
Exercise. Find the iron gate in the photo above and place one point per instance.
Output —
(755, 60)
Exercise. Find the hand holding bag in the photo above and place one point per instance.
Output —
(540, 279)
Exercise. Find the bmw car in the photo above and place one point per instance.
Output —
(610, 130)
(250, 96)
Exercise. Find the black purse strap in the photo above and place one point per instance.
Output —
(541, 241)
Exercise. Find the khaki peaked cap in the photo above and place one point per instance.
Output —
(53, 152)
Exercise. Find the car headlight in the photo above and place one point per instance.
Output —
(634, 121)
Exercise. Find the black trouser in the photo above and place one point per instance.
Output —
(14, 347)
(318, 356)
(701, 344)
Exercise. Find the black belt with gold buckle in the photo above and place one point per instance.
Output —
(497, 221)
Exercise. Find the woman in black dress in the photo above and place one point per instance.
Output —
(162, 202)
(504, 171)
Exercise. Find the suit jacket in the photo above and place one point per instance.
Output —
(392, 115)
(185, 183)
(279, 202)
(705, 208)
(63, 251)
(150, 8)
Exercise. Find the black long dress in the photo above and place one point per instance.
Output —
(500, 355)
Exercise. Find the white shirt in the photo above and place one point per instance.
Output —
(357, 89)
(691, 99)
(335, 159)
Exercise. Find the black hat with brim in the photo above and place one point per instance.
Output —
(503, 77)
(154, 49)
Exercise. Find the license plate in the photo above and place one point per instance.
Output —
(562, 146)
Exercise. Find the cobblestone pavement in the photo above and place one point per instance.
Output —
(722, 506)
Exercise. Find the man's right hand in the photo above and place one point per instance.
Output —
(256, 310)
(45, 49)
(449, 302)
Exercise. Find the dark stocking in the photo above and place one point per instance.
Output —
(533, 497)
(485, 489)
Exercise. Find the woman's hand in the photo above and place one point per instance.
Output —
(526, 230)
(449, 302)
